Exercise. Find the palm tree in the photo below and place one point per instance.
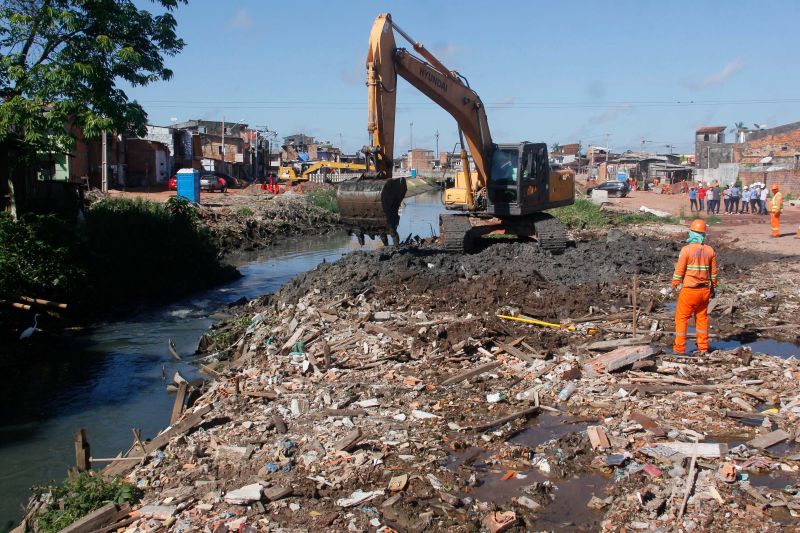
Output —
(741, 131)
(555, 148)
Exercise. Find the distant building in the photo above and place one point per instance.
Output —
(710, 147)
(420, 159)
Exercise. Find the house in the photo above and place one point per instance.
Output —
(221, 146)
(771, 156)
(420, 159)
(710, 148)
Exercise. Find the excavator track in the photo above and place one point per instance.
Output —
(456, 233)
(551, 234)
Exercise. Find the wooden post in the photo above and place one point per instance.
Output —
(82, 451)
(635, 310)
(180, 400)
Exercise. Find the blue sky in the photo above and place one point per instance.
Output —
(554, 72)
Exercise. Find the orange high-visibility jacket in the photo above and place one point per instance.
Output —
(696, 267)
(777, 202)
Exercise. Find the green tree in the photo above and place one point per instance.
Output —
(61, 62)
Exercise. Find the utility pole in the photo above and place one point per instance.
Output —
(607, 137)
(223, 140)
(104, 169)
(411, 140)
(437, 143)
(255, 172)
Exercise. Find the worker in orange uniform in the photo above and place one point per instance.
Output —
(775, 211)
(696, 269)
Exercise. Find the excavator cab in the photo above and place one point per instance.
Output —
(518, 179)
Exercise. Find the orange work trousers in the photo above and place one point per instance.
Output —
(692, 302)
(775, 221)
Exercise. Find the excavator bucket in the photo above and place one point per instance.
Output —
(371, 206)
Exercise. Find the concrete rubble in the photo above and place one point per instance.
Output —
(357, 399)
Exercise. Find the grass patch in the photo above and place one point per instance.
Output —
(584, 214)
(78, 496)
(244, 211)
(323, 198)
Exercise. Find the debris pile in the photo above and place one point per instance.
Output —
(383, 393)
(252, 221)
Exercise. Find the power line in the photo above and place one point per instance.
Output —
(294, 104)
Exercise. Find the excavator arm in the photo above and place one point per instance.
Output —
(369, 204)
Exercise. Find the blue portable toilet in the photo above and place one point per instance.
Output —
(189, 184)
(413, 173)
(621, 176)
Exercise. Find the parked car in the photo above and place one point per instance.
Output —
(210, 181)
(614, 188)
(173, 183)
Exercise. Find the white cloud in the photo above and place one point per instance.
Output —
(730, 68)
(242, 19)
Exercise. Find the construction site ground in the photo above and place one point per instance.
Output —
(383, 393)
(750, 232)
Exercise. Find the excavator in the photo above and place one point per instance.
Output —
(510, 187)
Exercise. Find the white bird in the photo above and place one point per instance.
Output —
(28, 333)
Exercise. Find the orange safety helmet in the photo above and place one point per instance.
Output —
(774, 187)
(698, 225)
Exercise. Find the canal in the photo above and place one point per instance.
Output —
(111, 378)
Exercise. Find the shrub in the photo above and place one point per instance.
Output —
(78, 496)
(41, 256)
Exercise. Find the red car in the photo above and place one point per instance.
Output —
(173, 183)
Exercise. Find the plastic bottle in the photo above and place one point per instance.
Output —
(567, 391)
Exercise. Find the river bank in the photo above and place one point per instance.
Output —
(382, 391)
(108, 377)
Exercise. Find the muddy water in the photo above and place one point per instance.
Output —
(111, 379)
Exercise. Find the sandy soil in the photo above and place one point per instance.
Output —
(746, 231)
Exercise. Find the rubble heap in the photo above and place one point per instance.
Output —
(383, 393)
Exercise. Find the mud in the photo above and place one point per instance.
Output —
(258, 221)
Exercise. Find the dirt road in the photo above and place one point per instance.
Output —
(751, 232)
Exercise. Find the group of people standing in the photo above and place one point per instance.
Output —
(731, 199)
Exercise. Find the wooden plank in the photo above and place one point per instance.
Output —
(82, 451)
(770, 439)
(376, 328)
(276, 493)
(748, 414)
(180, 402)
(516, 352)
(184, 426)
(648, 423)
(616, 359)
(666, 389)
(500, 421)
(349, 441)
(703, 449)
(293, 339)
(470, 373)
(602, 346)
(598, 437)
(94, 520)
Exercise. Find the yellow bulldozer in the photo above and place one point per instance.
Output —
(511, 186)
